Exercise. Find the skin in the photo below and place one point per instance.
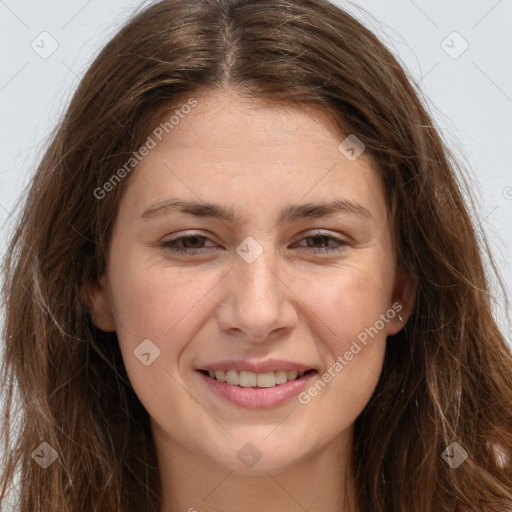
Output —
(212, 305)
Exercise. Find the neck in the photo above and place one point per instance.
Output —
(193, 483)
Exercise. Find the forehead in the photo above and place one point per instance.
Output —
(232, 150)
(225, 119)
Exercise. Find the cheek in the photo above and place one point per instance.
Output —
(351, 311)
(167, 310)
(347, 301)
(149, 303)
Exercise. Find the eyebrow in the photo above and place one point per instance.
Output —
(228, 214)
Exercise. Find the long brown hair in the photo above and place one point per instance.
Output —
(447, 376)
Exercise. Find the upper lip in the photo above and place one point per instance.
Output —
(269, 365)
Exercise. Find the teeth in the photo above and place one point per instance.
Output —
(219, 375)
(266, 380)
(292, 375)
(246, 379)
(281, 377)
(232, 377)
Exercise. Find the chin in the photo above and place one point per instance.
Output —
(252, 455)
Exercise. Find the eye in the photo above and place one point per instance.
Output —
(322, 240)
(189, 244)
(317, 243)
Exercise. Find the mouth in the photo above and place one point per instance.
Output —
(275, 382)
(247, 379)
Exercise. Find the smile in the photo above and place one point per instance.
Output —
(256, 390)
(246, 379)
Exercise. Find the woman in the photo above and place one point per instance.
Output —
(245, 278)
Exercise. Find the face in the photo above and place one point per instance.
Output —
(220, 267)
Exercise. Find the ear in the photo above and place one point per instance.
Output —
(97, 297)
(402, 300)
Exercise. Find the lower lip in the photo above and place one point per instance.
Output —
(257, 398)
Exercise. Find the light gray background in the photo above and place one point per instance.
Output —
(471, 94)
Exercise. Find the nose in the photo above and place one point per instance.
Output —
(258, 303)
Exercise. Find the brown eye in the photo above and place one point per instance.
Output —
(319, 243)
(191, 244)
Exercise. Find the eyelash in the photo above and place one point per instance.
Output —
(170, 245)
